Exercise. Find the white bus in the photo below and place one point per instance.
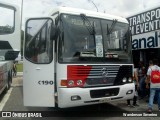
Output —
(9, 42)
(77, 57)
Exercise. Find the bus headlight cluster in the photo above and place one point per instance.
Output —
(127, 80)
(75, 83)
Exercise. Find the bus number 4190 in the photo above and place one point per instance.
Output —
(45, 82)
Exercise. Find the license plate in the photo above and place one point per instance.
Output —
(105, 100)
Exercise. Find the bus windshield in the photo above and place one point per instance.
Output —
(88, 39)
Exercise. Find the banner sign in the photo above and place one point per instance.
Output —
(145, 22)
(145, 29)
(146, 40)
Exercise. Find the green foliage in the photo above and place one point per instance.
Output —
(19, 67)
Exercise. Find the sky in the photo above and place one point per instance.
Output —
(123, 8)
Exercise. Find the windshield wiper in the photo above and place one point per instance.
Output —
(109, 30)
(89, 25)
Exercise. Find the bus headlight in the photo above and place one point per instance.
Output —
(79, 82)
(130, 79)
(124, 80)
(70, 82)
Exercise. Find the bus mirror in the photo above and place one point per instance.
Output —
(53, 33)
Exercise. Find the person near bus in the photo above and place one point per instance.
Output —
(142, 77)
(135, 80)
(147, 90)
(154, 86)
(14, 69)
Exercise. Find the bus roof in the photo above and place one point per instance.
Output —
(8, 5)
(90, 13)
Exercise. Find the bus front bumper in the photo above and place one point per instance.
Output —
(71, 97)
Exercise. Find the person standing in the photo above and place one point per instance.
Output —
(154, 86)
(135, 80)
(141, 77)
(14, 69)
(147, 90)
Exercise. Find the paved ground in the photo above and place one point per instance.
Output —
(18, 80)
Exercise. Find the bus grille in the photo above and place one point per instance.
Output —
(100, 75)
(108, 75)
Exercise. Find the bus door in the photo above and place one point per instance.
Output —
(38, 83)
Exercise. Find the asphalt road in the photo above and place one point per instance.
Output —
(114, 111)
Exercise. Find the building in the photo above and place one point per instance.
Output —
(145, 29)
